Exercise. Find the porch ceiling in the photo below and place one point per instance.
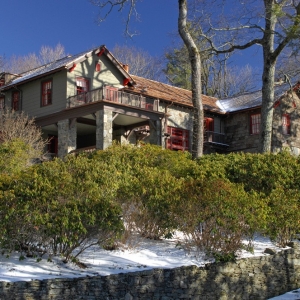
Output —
(87, 124)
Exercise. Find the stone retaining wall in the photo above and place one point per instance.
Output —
(252, 278)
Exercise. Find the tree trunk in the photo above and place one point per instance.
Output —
(268, 78)
(194, 57)
(267, 106)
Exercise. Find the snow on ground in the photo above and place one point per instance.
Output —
(147, 254)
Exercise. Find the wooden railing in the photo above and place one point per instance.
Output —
(214, 137)
(114, 95)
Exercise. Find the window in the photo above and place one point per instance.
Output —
(254, 123)
(111, 94)
(2, 103)
(16, 100)
(178, 139)
(286, 124)
(46, 93)
(82, 87)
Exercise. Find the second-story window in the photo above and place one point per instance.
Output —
(286, 124)
(255, 123)
(16, 100)
(46, 93)
(82, 87)
(2, 102)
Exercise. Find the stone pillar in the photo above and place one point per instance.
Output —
(104, 129)
(155, 133)
(67, 135)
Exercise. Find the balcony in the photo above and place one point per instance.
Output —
(214, 137)
(114, 95)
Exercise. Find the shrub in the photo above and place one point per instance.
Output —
(217, 215)
(148, 199)
(60, 206)
(17, 126)
(284, 216)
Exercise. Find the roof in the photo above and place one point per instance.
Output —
(249, 100)
(63, 63)
(156, 89)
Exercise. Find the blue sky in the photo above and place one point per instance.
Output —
(29, 24)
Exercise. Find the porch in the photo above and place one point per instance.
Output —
(112, 94)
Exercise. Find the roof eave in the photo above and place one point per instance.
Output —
(11, 85)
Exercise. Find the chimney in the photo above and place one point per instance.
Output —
(126, 68)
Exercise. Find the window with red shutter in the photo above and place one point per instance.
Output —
(46, 93)
(209, 124)
(111, 94)
(255, 123)
(16, 100)
(286, 124)
(178, 139)
(82, 87)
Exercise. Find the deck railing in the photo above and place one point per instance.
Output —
(114, 95)
(214, 137)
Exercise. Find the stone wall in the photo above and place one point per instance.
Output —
(237, 129)
(252, 278)
(288, 104)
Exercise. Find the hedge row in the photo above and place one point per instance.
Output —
(218, 201)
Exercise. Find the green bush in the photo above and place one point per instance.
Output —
(284, 215)
(148, 199)
(63, 207)
(217, 215)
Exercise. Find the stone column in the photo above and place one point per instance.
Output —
(67, 135)
(104, 129)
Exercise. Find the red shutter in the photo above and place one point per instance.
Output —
(209, 124)
(178, 139)
(16, 100)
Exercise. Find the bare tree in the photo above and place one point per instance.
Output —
(220, 78)
(2, 63)
(271, 24)
(288, 66)
(48, 54)
(20, 64)
(107, 6)
(18, 126)
(140, 62)
(195, 60)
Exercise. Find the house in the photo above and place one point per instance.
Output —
(243, 116)
(90, 100)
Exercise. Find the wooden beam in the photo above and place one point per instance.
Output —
(86, 121)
